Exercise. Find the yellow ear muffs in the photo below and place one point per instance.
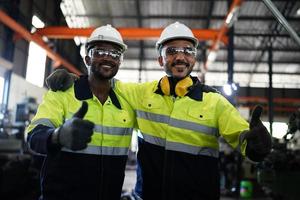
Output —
(165, 85)
(181, 88)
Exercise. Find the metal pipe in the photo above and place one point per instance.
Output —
(280, 18)
(270, 89)
(223, 30)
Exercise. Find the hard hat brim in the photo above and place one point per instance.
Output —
(94, 40)
(192, 39)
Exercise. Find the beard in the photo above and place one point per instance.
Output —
(105, 70)
(170, 66)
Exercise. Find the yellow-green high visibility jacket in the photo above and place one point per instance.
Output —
(179, 154)
(96, 172)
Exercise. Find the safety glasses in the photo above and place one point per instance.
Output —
(172, 51)
(100, 53)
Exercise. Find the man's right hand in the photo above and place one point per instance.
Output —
(75, 133)
(60, 80)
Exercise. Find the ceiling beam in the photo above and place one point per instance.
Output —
(62, 32)
(15, 26)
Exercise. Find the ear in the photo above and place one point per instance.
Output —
(160, 61)
(87, 60)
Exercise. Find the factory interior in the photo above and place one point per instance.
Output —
(249, 50)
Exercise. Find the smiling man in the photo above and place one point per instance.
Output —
(180, 120)
(86, 152)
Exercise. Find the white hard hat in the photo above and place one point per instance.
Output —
(106, 33)
(176, 30)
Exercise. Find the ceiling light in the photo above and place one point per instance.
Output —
(37, 23)
(298, 12)
(228, 89)
(212, 56)
(232, 16)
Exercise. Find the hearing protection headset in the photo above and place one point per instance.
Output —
(180, 89)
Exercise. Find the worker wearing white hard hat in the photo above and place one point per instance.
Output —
(85, 131)
(181, 119)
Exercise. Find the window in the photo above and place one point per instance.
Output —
(36, 65)
(279, 128)
(36, 59)
(1, 89)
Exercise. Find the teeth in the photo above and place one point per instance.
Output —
(180, 66)
(107, 66)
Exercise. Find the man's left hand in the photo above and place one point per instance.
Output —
(259, 140)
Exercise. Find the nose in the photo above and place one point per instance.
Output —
(180, 56)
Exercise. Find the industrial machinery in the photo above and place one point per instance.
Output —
(19, 178)
(279, 174)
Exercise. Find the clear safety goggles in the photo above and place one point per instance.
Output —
(100, 53)
(172, 51)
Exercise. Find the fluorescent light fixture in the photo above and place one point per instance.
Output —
(227, 89)
(77, 41)
(232, 16)
(37, 22)
(233, 86)
(212, 56)
(82, 51)
(229, 18)
(298, 12)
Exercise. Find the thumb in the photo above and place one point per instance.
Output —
(81, 111)
(255, 118)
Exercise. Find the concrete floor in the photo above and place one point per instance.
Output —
(130, 178)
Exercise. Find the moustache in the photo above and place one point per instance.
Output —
(180, 63)
(108, 62)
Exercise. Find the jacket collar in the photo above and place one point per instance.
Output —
(83, 92)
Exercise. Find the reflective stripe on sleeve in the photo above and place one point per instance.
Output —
(43, 121)
(97, 150)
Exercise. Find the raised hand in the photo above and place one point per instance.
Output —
(259, 141)
(60, 80)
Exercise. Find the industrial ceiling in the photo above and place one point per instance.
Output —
(255, 31)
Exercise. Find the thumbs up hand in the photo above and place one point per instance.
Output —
(75, 133)
(259, 141)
